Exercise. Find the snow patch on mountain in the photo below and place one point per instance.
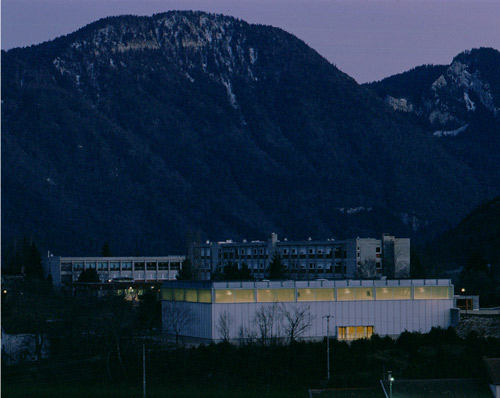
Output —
(439, 83)
(468, 102)
(450, 133)
(353, 210)
(399, 104)
(459, 73)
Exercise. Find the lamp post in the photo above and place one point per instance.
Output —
(328, 346)
(144, 370)
(391, 379)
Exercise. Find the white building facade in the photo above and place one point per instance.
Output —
(135, 269)
(356, 308)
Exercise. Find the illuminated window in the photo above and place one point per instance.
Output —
(324, 295)
(224, 296)
(271, 295)
(265, 295)
(441, 292)
(244, 296)
(384, 293)
(166, 294)
(191, 295)
(393, 293)
(306, 295)
(364, 293)
(422, 292)
(401, 293)
(345, 294)
(355, 332)
(114, 266)
(178, 294)
(204, 296)
(127, 266)
(90, 265)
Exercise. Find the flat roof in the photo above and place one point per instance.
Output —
(307, 283)
(124, 258)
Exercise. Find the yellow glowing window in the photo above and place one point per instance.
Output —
(244, 296)
(224, 296)
(384, 293)
(440, 292)
(401, 293)
(265, 295)
(324, 295)
(422, 292)
(364, 293)
(344, 294)
(178, 294)
(166, 294)
(271, 295)
(305, 295)
(285, 295)
(355, 332)
(204, 296)
(191, 295)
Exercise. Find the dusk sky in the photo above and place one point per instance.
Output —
(367, 39)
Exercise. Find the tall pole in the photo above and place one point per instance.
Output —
(143, 370)
(328, 347)
(391, 379)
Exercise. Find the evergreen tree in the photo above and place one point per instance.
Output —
(417, 269)
(105, 250)
(275, 270)
(186, 273)
(89, 275)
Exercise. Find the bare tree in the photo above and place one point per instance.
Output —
(176, 318)
(367, 269)
(267, 321)
(296, 320)
(224, 325)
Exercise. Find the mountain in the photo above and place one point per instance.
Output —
(449, 99)
(457, 103)
(151, 132)
(477, 234)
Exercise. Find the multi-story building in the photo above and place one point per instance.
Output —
(354, 308)
(310, 259)
(135, 269)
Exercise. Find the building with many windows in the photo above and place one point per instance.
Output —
(355, 308)
(310, 259)
(65, 270)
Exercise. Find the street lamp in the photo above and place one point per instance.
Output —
(328, 345)
(391, 379)
(462, 290)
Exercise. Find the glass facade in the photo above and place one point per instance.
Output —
(318, 294)
(308, 294)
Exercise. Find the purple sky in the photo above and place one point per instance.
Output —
(367, 39)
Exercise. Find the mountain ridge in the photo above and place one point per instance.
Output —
(188, 142)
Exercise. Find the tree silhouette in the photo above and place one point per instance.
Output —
(276, 269)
